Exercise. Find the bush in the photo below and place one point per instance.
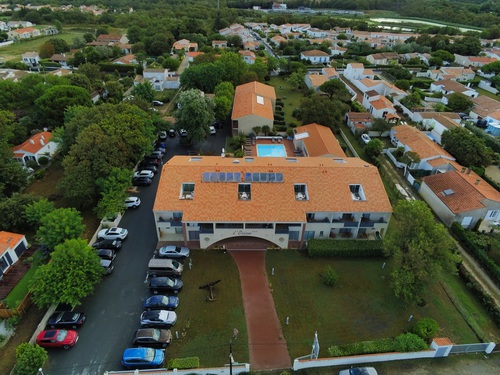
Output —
(426, 328)
(184, 363)
(39, 174)
(363, 347)
(329, 276)
(29, 358)
(350, 248)
(43, 160)
(409, 342)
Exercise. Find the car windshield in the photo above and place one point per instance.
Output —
(175, 264)
(61, 335)
(169, 282)
(164, 300)
(149, 354)
(122, 231)
(156, 334)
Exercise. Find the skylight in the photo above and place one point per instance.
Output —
(260, 100)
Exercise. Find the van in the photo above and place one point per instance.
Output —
(164, 267)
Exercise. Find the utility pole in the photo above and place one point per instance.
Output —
(230, 358)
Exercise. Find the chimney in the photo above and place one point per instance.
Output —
(463, 169)
(478, 181)
(468, 170)
(41, 142)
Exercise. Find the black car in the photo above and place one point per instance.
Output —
(142, 181)
(108, 244)
(66, 319)
(171, 133)
(165, 284)
(106, 254)
(153, 337)
(153, 156)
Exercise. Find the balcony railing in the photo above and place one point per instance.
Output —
(207, 230)
(312, 220)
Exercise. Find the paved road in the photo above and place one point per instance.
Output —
(114, 309)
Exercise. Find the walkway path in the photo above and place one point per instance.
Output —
(267, 346)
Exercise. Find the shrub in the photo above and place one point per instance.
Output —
(353, 248)
(39, 174)
(29, 358)
(426, 328)
(329, 276)
(409, 342)
(363, 347)
(184, 363)
(43, 160)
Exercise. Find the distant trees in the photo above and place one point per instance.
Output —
(145, 91)
(223, 100)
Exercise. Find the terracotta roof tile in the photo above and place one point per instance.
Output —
(9, 240)
(317, 79)
(314, 52)
(34, 144)
(418, 142)
(320, 141)
(327, 183)
(246, 100)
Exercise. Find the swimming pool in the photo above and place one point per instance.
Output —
(275, 151)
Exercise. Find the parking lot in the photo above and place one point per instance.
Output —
(113, 311)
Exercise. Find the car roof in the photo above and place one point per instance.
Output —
(106, 263)
(135, 352)
(50, 333)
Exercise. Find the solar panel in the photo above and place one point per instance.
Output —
(263, 177)
(205, 177)
(222, 177)
(279, 177)
(272, 177)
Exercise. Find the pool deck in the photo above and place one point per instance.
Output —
(251, 150)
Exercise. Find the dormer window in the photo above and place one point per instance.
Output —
(244, 192)
(357, 193)
(300, 191)
(187, 191)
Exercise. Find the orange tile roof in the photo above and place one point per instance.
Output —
(418, 142)
(360, 116)
(356, 65)
(469, 190)
(444, 120)
(317, 79)
(314, 52)
(24, 30)
(245, 100)
(35, 146)
(9, 240)
(321, 141)
(370, 82)
(330, 72)
(380, 104)
(327, 183)
(438, 162)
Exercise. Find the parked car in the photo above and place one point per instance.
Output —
(359, 371)
(134, 358)
(162, 135)
(212, 130)
(153, 156)
(114, 233)
(108, 266)
(165, 284)
(66, 319)
(161, 302)
(157, 103)
(158, 154)
(144, 165)
(174, 252)
(57, 338)
(183, 133)
(153, 160)
(365, 138)
(132, 202)
(143, 173)
(158, 318)
(153, 337)
(164, 267)
(108, 244)
(142, 181)
(161, 144)
(171, 133)
(106, 254)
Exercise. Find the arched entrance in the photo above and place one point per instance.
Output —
(242, 243)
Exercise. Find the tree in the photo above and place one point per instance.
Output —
(493, 67)
(60, 45)
(233, 67)
(12, 211)
(426, 328)
(467, 148)
(72, 274)
(113, 193)
(195, 115)
(114, 92)
(458, 102)
(30, 358)
(35, 211)
(336, 88)
(46, 50)
(380, 125)
(420, 249)
(171, 64)
(409, 342)
(145, 91)
(374, 148)
(60, 225)
(204, 77)
(402, 84)
(444, 55)
(223, 106)
(52, 104)
(296, 80)
(321, 110)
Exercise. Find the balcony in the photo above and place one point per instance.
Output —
(174, 222)
(313, 220)
(206, 230)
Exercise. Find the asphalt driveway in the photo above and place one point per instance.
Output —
(113, 311)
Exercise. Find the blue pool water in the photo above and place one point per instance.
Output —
(276, 151)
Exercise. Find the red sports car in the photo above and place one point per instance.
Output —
(57, 338)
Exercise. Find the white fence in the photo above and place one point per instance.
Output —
(5, 44)
(237, 369)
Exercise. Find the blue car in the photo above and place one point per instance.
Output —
(134, 358)
(160, 302)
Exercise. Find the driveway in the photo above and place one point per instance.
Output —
(114, 309)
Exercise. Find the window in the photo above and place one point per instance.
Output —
(244, 191)
(194, 236)
(309, 234)
(293, 235)
(187, 190)
(357, 193)
(300, 191)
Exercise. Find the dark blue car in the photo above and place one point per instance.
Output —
(134, 358)
(160, 302)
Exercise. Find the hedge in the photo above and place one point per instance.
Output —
(344, 248)
(490, 142)
(472, 246)
(109, 67)
(184, 363)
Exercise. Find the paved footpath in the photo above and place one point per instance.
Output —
(267, 346)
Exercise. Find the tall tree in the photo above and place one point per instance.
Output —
(195, 114)
(467, 148)
(60, 225)
(458, 102)
(72, 275)
(421, 248)
(145, 91)
(321, 110)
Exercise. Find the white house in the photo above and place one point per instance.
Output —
(12, 246)
(438, 122)
(357, 71)
(248, 56)
(448, 87)
(31, 58)
(38, 145)
(161, 79)
(315, 56)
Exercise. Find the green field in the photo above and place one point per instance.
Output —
(291, 98)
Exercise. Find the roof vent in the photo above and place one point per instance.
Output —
(32, 141)
(236, 161)
(448, 192)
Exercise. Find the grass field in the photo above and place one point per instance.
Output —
(487, 93)
(291, 98)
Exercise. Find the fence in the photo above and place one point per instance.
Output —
(469, 348)
(236, 370)
(6, 313)
(487, 86)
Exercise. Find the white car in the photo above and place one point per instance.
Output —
(212, 130)
(183, 133)
(114, 233)
(132, 202)
(359, 371)
(144, 173)
(365, 138)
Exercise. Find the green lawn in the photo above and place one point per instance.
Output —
(487, 93)
(361, 307)
(291, 98)
(206, 328)
(21, 289)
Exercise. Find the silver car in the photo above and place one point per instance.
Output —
(173, 252)
(359, 371)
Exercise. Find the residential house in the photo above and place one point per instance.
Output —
(251, 46)
(50, 30)
(380, 86)
(284, 201)
(317, 33)
(315, 140)
(160, 78)
(61, 59)
(248, 56)
(25, 33)
(432, 156)
(254, 104)
(18, 24)
(193, 55)
(330, 73)
(383, 58)
(455, 73)
(12, 246)
(126, 60)
(61, 72)
(357, 71)
(185, 45)
(39, 145)
(359, 122)
(461, 196)
(335, 50)
(379, 106)
(278, 6)
(313, 81)
(112, 38)
(438, 122)
(483, 106)
(219, 43)
(473, 61)
(31, 58)
(315, 56)
(493, 123)
(278, 39)
(448, 87)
